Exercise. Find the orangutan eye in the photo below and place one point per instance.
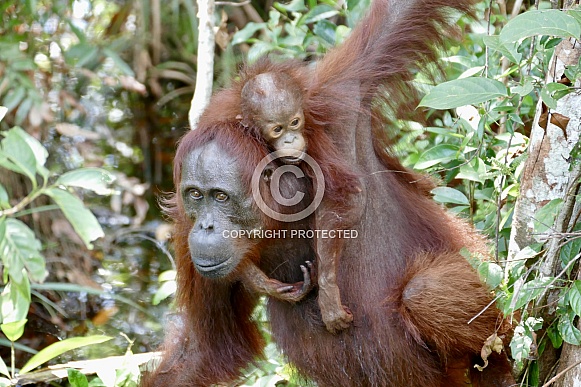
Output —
(221, 197)
(277, 129)
(295, 122)
(195, 194)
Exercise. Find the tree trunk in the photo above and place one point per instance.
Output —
(551, 173)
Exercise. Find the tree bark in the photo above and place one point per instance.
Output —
(550, 173)
(205, 71)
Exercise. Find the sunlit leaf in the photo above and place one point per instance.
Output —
(94, 179)
(82, 220)
(19, 153)
(3, 111)
(531, 290)
(165, 290)
(520, 345)
(465, 91)
(59, 348)
(319, 12)
(13, 330)
(491, 274)
(439, 154)
(3, 368)
(475, 170)
(39, 151)
(449, 195)
(168, 275)
(15, 301)
(505, 48)
(544, 22)
(19, 248)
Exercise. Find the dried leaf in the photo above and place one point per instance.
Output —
(544, 117)
(492, 343)
(560, 121)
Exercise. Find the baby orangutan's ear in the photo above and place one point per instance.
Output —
(243, 121)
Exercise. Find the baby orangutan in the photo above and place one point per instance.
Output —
(273, 104)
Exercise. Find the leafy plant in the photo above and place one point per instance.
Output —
(20, 249)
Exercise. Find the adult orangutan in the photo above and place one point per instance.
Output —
(411, 293)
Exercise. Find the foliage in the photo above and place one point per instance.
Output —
(20, 249)
(484, 163)
(101, 73)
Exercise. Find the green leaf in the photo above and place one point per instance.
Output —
(449, 195)
(520, 345)
(15, 301)
(545, 216)
(293, 6)
(19, 248)
(247, 32)
(568, 331)
(14, 97)
(94, 179)
(168, 275)
(531, 290)
(13, 330)
(81, 54)
(39, 151)
(439, 154)
(59, 348)
(552, 92)
(19, 153)
(3, 368)
(326, 31)
(574, 296)
(465, 91)
(475, 170)
(23, 110)
(490, 273)
(320, 12)
(77, 378)
(507, 49)
(165, 290)
(120, 63)
(82, 220)
(554, 336)
(4, 199)
(546, 22)
(523, 90)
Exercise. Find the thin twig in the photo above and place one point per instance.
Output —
(554, 379)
